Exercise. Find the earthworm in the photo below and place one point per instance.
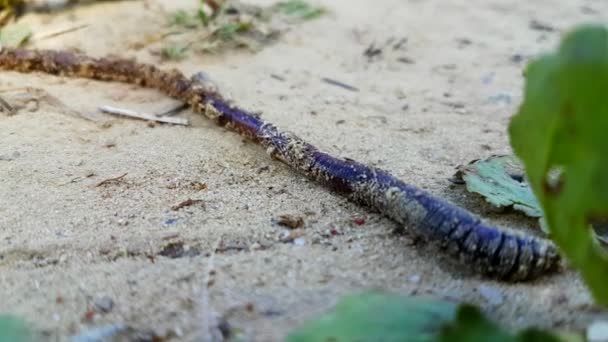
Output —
(491, 251)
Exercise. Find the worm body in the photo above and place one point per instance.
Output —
(491, 251)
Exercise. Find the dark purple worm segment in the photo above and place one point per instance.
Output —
(492, 251)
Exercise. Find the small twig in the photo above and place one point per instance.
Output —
(278, 77)
(339, 84)
(185, 203)
(73, 180)
(143, 116)
(111, 180)
(54, 34)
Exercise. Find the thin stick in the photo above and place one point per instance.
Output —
(54, 34)
(339, 84)
(143, 116)
(111, 180)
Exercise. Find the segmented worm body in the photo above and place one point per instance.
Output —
(492, 251)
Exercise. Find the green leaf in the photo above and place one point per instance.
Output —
(375, 316)
(470, 325)
(299, 9)
(203, 16)
(227, 31)
(560, 135)
(13, 329)
(14, 35)
(500, 180)
(180, 18)
(174, 52)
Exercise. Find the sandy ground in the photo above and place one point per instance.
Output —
(422, 109)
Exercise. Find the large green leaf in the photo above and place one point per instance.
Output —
(499, 179)
(13, 329)
(470, 325)
(560, 135)
(376, 316)
(380, 317)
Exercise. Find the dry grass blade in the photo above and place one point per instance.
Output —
(143, 116)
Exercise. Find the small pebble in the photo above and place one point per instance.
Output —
(414, 279)
(541, 26)
(597, 331)
(359, 221)
(491, 294)
(299, 241)
(104, 304)
(517, 58)
(170, 221)
(500, 98)
(406, 60)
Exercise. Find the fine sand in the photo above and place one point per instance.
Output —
(69, 247)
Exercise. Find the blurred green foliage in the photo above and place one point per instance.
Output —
(560, 135)
(13, 329)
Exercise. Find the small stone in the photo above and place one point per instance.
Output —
(406, 60)
(541, 26)
(463, 42)
(104, 304)
(491, 294)
(359, 221)
(299, 241)
(597, 331)
(500, 98)
(517, 58)
(290, 221)
(414, 279)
